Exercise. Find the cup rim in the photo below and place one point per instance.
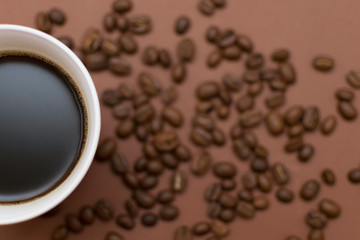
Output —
(92, 140)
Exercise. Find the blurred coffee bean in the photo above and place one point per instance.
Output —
(344, 94)
(164, 58)
(284, 195)
(144, 199)
(96, 61)
(179, 181)
(287, 72)
(109, 22)
(245, 210)
(212, 34)
(125, 128)
(131, 207)
(149, 84)
(128, 43)
(261, 203)
(323, 63)
(104, 210)
(186, 50)
(122, 6)
(255, 61)
(280, 55)
(200, 137)
(173, 116)
(165, 196)
(275, 100)
(328, 177)
(280, 173)
(178, 72)
(43, 22)
(201, 163)
(125, 221)
(245, 43)
(353, 79)
(306, 152)
(60, 233)
(214, 58)
(166, 141)
(119, 163)
(206, 7)
(294, 144)
(330, 208)
(169, 212)
(316, 219)
(67, 41)
(316, 234)
(213, 192)
(264, 183)
(311, 118)
(140, 24)
(259, 165)
(57, 16)
(149, 219)
(328, 125)
(119, 66)
(150, 55)
(182, 25)
(106, 149)
(347, 110)
(310, 190)
(201, 228)
(245, 195)
(274, 123)
(224, 170)
(91, 41)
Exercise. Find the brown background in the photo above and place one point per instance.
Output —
(305, 27)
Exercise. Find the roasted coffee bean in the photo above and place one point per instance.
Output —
(294, 144)
(183, 233)
(264, 182)
(200, 137)
(344, 94)
(328, 177)
(260, 152)
(96, 61)
(245, 43)
(149, 182)
(280, 55)
(241, 149)
(201, 228)
(295, 131)
(259, 165)
(132, 207)
(255, 61)
(219, 228)
(323, 63)
(179, 181)
(280, 173)
(292, 237)
(206, 7)
(106, 148)
(131, 180)
(207, 90)
(222, 111)
(328, 125)
(169, 160)
(73, 223)
(287, 72)
(43, 22)
(235, 131)
(311, 118)
(277, 85)
(227, 215)
(149, 219)
(232, 82)
(57, 16)
(354, 175)
(275, 100)
(67, 41)
(316, 219)
(109, 22)
(225, 96)
(110, 48)
(144, 113)
(268, 74)
(201, 163)
(186, 50)
(165, 196)
(245, 103)
(306, 152)
(183, 153)
(172, 116)
(294, 115)
(228, 184)
(178, 72)
(213, 192)
(218, 137)
(169, 213)
(182, 25)
(164, 58)
(113, 236)
(214, 58)
(140, 164)
(251, 119)
(204, 107)
(111, 97)
(353, 79)
(330, 208)
(156, 125)
(169, 95)
(231, 53)
(284, 195)
(125, 221)
(140, 24)
(251, 76)
(104, 210)
(149, 84)
(249, 139)
(142, 132)
(122, 6)
(119, 164)
(60, 233)
(347, 110)
(310, 190)
(226, 39)
(219, 3)
(245, 195)
(92, 41)
(212, 34)
(122, 23)
(119, 66)
(227, 201)
(125, 128)
(261, 203)
(255, 89)
(149, 150)
(126, 91)
(245, 210)
(224, 169)
(155, 167)
(144, 199)
(128, 43)
(214, 210)
(274, 123)
(249, 181)
(166, 141)
(316, 234)
(150, 55)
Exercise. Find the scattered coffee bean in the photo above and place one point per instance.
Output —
(294, 144)
(214, 210)
(261, 203)
(126, 91)
(67, 41)
(255, 61)
(294, 115)
(140, 24)
(227, 215)
(201, 163)
(274, 123)
(228, 184)
(125, 128)
(316, 219)
(251, 76)
(166, 141)
(287, 72)
(183, 233)
(106, 149)
(60, 233)
(245, 43)
(206, 7)
(219, 228)
(128, 43)
(280, 174)
(280, 55)
(92, 41)
(43, 22)
(310, 190)
(201, 228)
(111, 97)
(122, 6)
(57, 16)
(214, 58)
(149, 150)
(295, 131)
(113, 236)
(251, 119)
(212, 34)
(183, 153)
(142, 132)
(278, 85)
(225, 96)
(132, 207)
(73, 223)
(316, 234)
(96, 61)
(224, 169)
(330, 208)
(149, 84)
(144, 199)
(219, 3)
(275, 100)
(178, 72)
(245, 210)
(344, 94)
(119, 164)
(328, 125)
(328, 177)
(169, 213)
(131, 180)
(155, 167)
(165, 196)
(164, 58)
(306, 152)
(353, 79)
(347, 110)
(259, 165)
(249, 181)
(323, 63)
(182, 25)
(186, 50)
(172, 116)
(204, 121)
(179, 181)
(222, 111)
(245, 195)
(218, 137)
(169, 160)
(226, 39)
(268, 74)
(109, 22)
(140, 164)
(260, 152)
(149, 219)
(200, 137)
(213, 192)
(264, 183)
(245, 103)
(156, 125)
(231, 53)
(354, 175)
(284, 195)
(169, 95)
(122, 23)
(249, 139)
(148, 182)
(119, 66)
(311, 118)
(227, 201)
(150, 55)
(125, 221)
(255, 89)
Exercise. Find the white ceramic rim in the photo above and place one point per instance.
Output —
(44, 203)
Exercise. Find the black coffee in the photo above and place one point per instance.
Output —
(43, 126)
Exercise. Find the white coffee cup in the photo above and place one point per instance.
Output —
(13, 37)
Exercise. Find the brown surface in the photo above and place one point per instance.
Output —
(305, 27)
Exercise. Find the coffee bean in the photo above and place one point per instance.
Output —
(122, 6)
(264, 183)
(122, 23)
(280, 173)
(119, 66)
(67, 41)
(354, 175)
(111, 97)
(294, 115)
(275, 100)
(310, 190)
(149, 219)
(182, 25)
(110, 48)
(156, 125)
(183, 233)
(219, 3)
(142, 132)
(106, 149)
(260, 152)
(132, 207)
(235, 131)
(222, 111)
(245, 210)
(255, 89)
(292, 237)
(245, 103)
(328, 125)
(316, 234)
(140, 164)
(212, 34)
(227, 215)
(231, 53)
(261, 203)
(179, 181)
(155, 167)
(109, 22)
(200, 137)
(259, 165)
(96, 61)
(91, 41)
(207, 90)
(149, 182)
(353, 79)
(227, 201)
(172, 116)
(255, 61)
(330, 208)
(287, 72)
(140, 24)
(249, 139)
(316, 219)
(214, 210)
(277, 85)
(295, 131)
(311, 118)
(323, 63)
(73, 223)
(218, 137)
(149, 84)
(119, 164)
(57, 16)
(206, 7)
(201, 163)
(113, 236)
(245, 43)
(43, 22)
(166, 141)
(306, 152)
(125, 221)
(232, 82)
(328, 177)
(183, 153)
(125, 128)
(165, 196)
(164, 58)
(204, 107)
(87, 215)
(214, 58)
(131, 180)
(60, 233)
(294, 144)
(219, 228)
(144, 113)
(347, 110)
(178, 72)
(344, 94)
(144, 199)
(213, 192)
(128, 43)
(224, 170)
(169, 160)
(226, 39)
(274, 123)
(150, 55)
(169, 95)
(201, 228)
(225, 96)
(251, 119)
(245, 195)
(126, 91)
(268, 74)
(186, 50)
(228, 184)
(284, 195)
(280, 55)
(168, 212)
(104, 210)
(251, 76)
(249, 181)
(149, 150)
